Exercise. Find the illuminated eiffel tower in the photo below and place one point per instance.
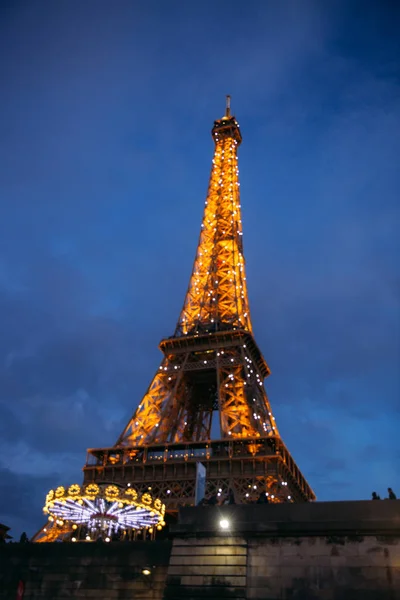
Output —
(211, 377)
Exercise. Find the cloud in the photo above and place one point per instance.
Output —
(21, 501)
(103, 170)
(86, 367)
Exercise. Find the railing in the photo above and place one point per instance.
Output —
(235, 448)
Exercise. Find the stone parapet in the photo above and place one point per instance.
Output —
(309, 518)
(313, 551)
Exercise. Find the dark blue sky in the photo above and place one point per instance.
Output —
(105, 153)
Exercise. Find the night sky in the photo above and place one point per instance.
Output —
(105, 154)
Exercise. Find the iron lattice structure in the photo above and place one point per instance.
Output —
(212, 367)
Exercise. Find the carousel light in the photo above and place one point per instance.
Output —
(105, 510)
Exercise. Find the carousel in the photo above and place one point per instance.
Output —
(92, 512)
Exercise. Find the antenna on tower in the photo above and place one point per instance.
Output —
(228, 106)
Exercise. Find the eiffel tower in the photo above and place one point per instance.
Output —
(211, 377)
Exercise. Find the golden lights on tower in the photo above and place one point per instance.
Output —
(217, 295)
(216, 305)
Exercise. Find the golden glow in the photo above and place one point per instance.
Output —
(217, 292)
(216, 303)
(112, 493)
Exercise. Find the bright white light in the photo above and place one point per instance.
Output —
(107, 539)
(99, 514)
(146, 572)
(224, 524)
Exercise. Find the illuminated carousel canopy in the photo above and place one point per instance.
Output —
(103, 510)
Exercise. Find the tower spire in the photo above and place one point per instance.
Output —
(216, 298)
(228, 106)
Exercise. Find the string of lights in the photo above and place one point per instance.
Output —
(103, 509)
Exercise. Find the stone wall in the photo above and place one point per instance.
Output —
(313, 551)
(324, 551)
(208, 567)
(244, 568)
(330, 568)
(84, 570)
